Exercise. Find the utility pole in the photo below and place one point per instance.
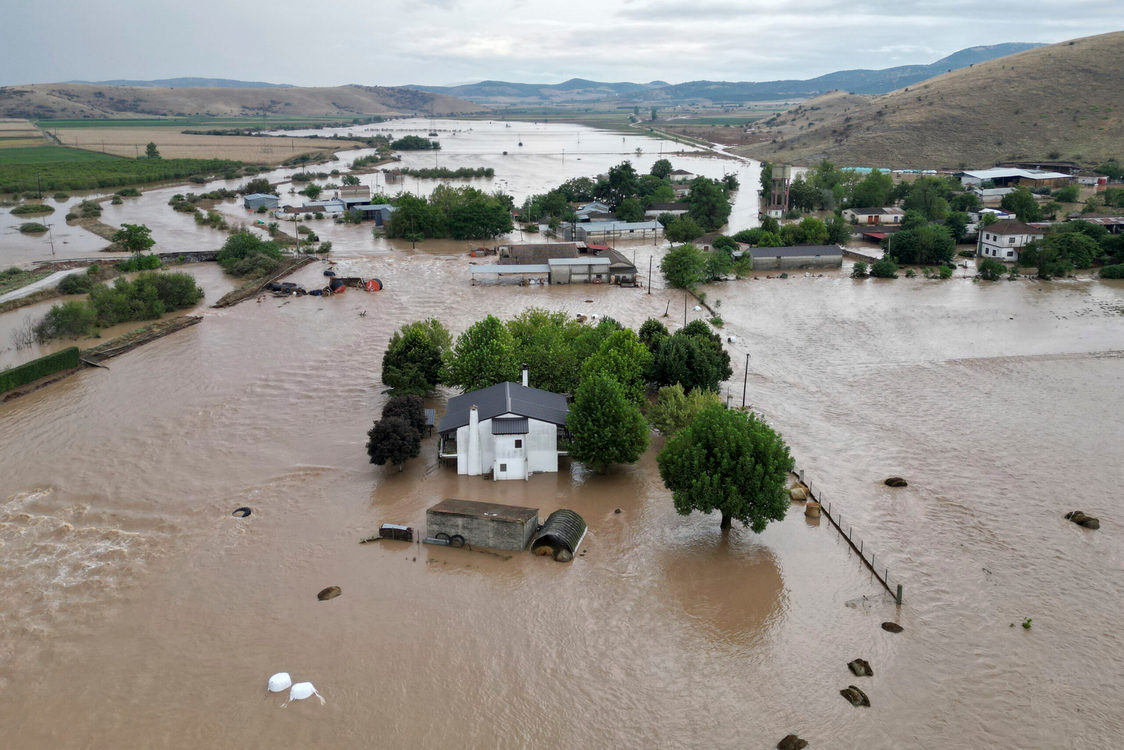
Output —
(51, 236)
(745, 381)
(650, 274)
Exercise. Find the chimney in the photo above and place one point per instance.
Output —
(524, 374)
(475, 455)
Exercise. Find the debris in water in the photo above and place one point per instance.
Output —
(303, 690)
(329, 593)
(851, 693)
(892, 627)
(280, 682)
(895, 482)
(861, 668)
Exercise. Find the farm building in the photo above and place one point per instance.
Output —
(480, 524)
(509, 429)
(254, 201)
(891, 215)
(797, 256)
(536, 252)
(1013, 177)
(379, 212)
(606, 230)
(1004, 239)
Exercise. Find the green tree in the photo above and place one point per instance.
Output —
(605, 427)
(683, 229)
(409, 408)
(151, 152)
(957, 224)
(927, 195)
(1067, 194)
(661, 169)
(885, 268)
(482, 356)
(708, 203)
(625, 359)
(652, 332)
(838, 233)
(927, 243)
(1022, 203)
(412, 363)
(393, 440)
(674, 409)
(684, 266)
(730, 462)
(349, 179)
(859, 271)
(545, 341)
(623, 183)
(873, 191)
(802, 196)
(258, 185)
(630, 209)
(135, 238)
(312, 190)
(693, 357)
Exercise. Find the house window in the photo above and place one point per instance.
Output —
(1010, 253)
(503, 467)
(518, 443)
(1010, 240)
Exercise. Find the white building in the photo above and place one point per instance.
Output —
(1004, 239)
(509, 430)
(877, 215)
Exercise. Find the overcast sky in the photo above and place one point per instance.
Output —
(394, 42)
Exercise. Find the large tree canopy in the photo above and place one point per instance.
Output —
(483, 355)
(731, 462)
(605, 427)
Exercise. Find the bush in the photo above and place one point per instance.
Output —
(129, 192)
(946, 272)
(32, 209)
(1113, 272)
(247, 255)
(61, 196)
(88, 209)
(31, 227)
(69, 320)
(78, 283)
(991, 269)
(884, 269)
(859, 271)
(139, 262)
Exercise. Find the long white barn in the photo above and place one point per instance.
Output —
(509, 430)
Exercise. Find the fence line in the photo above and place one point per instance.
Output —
(837, 521)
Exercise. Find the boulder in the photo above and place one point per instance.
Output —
(861, 668)
(895, 482)
(792, 742)
(812, 509)
(563, 555)
(329, 593)
(798, 493)
(855, 696)
(892, 627)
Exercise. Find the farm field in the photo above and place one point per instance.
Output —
(50, 155)
(131, 141)
(19, 134)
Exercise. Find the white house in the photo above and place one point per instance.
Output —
(1004, 239)
(508, 429)
(888, 215)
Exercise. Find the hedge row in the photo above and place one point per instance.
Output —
(38, 368)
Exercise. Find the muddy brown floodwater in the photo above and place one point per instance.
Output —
(137, 612)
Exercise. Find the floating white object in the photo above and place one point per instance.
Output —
(303, 690)
(697, 308)
(280, 682)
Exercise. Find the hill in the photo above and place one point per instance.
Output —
(1062, 101)
(580, 90)
(88, 101)
(182, 83)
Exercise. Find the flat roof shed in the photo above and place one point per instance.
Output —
(482, 524)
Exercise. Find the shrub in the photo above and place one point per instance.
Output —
(31, 227)
(129, 192)
(69, 320)
(88, 209)
(77, 283)
(32, 209)
(1113, 272)
(946, 272)
(61, 196)
(859, 271)
(884, 269)
(139, 262)
(991, 269)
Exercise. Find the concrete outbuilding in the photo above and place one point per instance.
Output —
(797, 256)
(254, 201)
(482, 524)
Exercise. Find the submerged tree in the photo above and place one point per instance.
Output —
(606, 427)
(413, 359)
(484, 355)
(731, 462)
(393, 440)
(409, 408)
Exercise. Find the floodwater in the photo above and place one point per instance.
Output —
(138, 612)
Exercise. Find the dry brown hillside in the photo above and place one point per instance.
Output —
(1064, 101)
(74, 101)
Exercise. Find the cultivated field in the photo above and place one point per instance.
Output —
(18, 134)
(131, 142)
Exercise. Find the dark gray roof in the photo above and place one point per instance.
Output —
(796, 251)
(509, 426)
(505, 398)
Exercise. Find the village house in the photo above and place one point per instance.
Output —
(254, 201)
(509, 430)
(675, 209)
(595, 211)
(797, 256)
(888, 215)
(1004, 239)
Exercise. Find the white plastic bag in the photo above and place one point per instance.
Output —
(280, 682)
(303, 690)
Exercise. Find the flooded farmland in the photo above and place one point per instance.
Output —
(138, 612)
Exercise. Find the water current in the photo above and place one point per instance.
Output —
(137, 612)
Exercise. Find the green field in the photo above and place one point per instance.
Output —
(50, 155)
(91, 171)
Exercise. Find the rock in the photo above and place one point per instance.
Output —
(892, 627)
(812, 509)
(792, 742)
(861, 668)
(563, 555)
(1081, 519)
(855, 696)
(618, 510)
(329, 593)
(895, 482)
(798, 493)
